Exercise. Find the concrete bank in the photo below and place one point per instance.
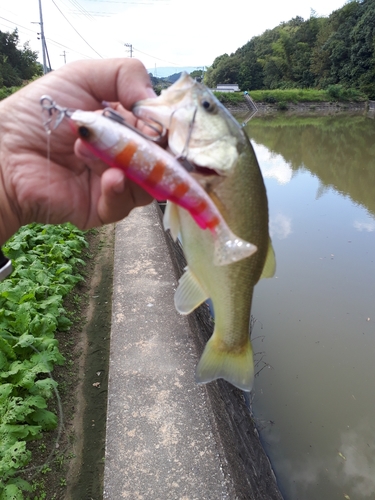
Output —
(304, 108)
(168, 438)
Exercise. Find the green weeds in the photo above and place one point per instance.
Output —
(333, 93)
(281, 97)
(45, 260)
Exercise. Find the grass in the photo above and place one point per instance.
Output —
(284, 96)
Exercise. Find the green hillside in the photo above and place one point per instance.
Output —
(315, 53)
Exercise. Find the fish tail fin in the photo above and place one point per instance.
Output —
(234, 365)
(230, 248)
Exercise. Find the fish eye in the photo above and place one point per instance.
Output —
(84, 132)
(209, 106)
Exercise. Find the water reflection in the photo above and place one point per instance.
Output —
(368, 226)
(274, 166)
(315, 321)
(280, 226)
(339, 150)
(354, 464)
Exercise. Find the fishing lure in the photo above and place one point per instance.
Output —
(119, 145)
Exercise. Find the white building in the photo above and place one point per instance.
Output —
(227, 87)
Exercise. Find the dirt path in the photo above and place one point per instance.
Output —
(85, 473)
(68, 463)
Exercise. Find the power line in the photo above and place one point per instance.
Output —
(47, 38)
(92, 48)
(158, 58)
(13, 27)
(24, 27)
(97, 14)
(73, 50)
(82, 10)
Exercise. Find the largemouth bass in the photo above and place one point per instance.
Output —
(201, 130)
(161, 175)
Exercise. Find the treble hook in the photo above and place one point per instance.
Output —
(55, 112)
(159, 138)
(182, 157)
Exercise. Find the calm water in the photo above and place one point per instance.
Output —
(315, 321)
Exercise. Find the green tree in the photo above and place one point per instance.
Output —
(198, 73)
(363, 50)
(319, 52)
(16, 64)
(250, 75)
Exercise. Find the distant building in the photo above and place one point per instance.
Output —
(227, 87)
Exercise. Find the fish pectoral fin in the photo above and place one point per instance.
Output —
(233, 365)
(189, 294)
(171, 220)
(269, 268)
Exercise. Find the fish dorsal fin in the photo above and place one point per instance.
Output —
(269, 268)
(171, 220)
(189, 294)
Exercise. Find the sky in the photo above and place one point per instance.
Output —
(161, 32)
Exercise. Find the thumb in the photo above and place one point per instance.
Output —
(119, 196)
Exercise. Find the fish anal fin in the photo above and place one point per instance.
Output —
(233, 365)
(171, 219)
(269, 268)
(189, 294)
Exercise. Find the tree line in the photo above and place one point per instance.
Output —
(315, 53)
(16, 64)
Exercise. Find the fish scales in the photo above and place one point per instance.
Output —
(218, 143)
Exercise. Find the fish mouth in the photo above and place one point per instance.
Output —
(193, 168)
(205, 171)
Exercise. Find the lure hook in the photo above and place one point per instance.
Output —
(184, 152)
(54, 112)
(161, 131)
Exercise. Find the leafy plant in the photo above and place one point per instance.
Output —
(45, 260)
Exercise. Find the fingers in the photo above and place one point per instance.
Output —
(118, 80)
(119, 196)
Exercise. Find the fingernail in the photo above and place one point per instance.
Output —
(119, 187)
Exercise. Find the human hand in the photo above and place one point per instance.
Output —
(72, 186)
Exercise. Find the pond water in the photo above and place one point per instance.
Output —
(314, 332)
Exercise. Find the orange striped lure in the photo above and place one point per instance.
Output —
(161, 175)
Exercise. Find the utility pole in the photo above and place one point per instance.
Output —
(64, 56)
(45, 70)
(130, 48)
